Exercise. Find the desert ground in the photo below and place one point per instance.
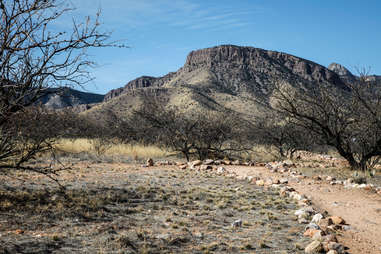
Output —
(172, 206)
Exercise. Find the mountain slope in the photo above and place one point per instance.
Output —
(58, 98)
(225, 77)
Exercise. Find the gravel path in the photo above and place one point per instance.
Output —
(361, 209)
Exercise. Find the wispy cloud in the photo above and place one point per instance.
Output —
(184, 14)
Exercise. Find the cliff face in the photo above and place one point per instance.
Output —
(144, 81)
(348, 77)
(238, 69)
(257, 66)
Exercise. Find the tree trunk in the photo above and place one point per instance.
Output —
(186, 154)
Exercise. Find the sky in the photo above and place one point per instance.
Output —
(161, 33)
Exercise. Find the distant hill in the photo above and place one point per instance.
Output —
(225, 77)
(58, 98)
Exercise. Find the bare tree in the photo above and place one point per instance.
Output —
(201, 134)
(35, 55)
(348, 119)
(276, 130)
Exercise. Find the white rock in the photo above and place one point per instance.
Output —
(250, 178)
(302, 221)
(317, 218)
(299, 212)
(221, 170)
(237, 223)
(314, 247)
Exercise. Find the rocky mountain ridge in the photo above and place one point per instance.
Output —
(63, 97)
(237, 69)
(226, 76)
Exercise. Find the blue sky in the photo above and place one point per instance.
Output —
(160, 33)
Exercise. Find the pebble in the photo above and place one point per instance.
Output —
(237, 223)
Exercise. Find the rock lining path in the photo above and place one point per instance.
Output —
(361, 209)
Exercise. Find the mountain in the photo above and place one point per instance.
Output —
(58, 98)
(348, 77)
(225, 77)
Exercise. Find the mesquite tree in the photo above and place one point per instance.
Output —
(35, 55)
(348, 119)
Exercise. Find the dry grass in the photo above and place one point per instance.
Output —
(134, 151)
(156, 210)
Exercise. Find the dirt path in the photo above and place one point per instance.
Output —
(359, 208)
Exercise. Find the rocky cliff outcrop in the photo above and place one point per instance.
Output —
(237, 69)
(249, 66)
(348, 77)
(339, 69)
(343, 72)
(141, 82)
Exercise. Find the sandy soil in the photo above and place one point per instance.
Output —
(360, 209)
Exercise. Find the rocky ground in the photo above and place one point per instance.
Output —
(321, 181)
(198, 207)
(121, 208)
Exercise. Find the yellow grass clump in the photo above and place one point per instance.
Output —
(134, 151)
